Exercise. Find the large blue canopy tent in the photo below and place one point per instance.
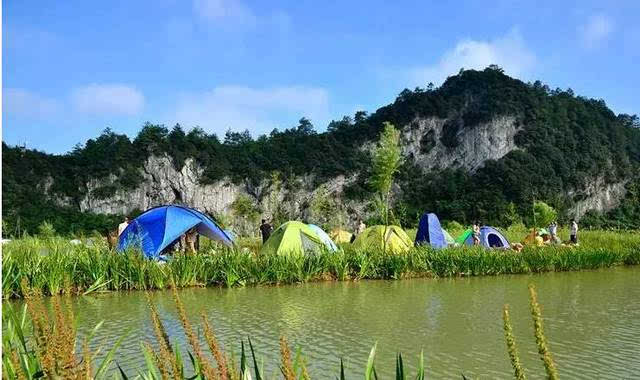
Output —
(490, 238)
(158, 227)
(430, 232)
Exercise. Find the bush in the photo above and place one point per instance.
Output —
(46, 230)
(452, 226)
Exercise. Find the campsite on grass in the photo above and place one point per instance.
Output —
(296, 190)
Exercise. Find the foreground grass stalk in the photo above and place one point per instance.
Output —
(212, 342)
(541, 340)
(511, 345)
(207, 369)
(287, 366)
(166, 356)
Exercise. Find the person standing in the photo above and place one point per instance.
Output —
(123, 225)
(574, 232)
(361, 227)
(553, 231)
(191, 240)
(476, 233)
(265, 230)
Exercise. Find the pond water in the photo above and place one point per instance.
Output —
(592, 322)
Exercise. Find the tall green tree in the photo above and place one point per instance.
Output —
(386, 160)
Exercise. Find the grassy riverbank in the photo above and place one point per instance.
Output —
(54, 266)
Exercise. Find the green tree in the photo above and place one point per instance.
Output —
(511, 216)
(543, 214)
(386, 161)
(245, 212)
(325, 209)
(278, 215)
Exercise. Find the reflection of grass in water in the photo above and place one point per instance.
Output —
(49, 351)
(96, 268)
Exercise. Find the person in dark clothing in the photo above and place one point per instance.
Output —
(265, 230)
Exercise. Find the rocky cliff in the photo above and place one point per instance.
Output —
(422, 143)
(163, 184)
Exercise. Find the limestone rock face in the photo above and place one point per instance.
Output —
(422, 140)
(428, 142)
(163, 184)
(598, 195)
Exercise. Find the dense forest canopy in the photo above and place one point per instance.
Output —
(565, 142)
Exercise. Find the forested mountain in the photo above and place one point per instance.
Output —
(561, 148)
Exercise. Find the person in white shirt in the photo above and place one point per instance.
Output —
(123, 225)
(574, 231)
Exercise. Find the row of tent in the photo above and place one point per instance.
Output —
(157, 228)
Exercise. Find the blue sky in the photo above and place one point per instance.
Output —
(72, 68)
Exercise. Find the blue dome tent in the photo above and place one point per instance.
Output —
(430, 232)
(490, 238)
(158, 227)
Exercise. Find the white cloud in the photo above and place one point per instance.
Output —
(509, 52)
(25, 103)
(259, 110)
(596, 30)
(113, 99)
(225, 12)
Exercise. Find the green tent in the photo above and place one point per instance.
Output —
(374, 237)
(292, 238)
(465, 235)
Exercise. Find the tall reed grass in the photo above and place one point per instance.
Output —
(51, 265)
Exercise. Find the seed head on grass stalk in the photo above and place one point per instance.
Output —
(511, 345)
(64, 338)
(86, 358)
(155, 362)
(541, 340)
(305, 373)
(210, 337)
(18, 371)
(287, 365)
(41, 325)
(166, 355)
(207, 369)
